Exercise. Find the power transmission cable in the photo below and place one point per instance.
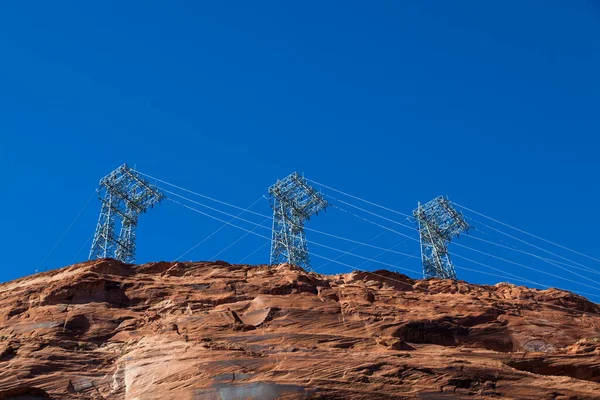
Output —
(355, 241)
(375, 223)
(373, 273)
(397, 212)
(563, 263)
(259, 214)
(67, 230)
(527, 233)
(217, 210)
(505, 245)
(530, 244)
(396, 222)
(528, 267)
(358, 198)
(254, 252)
(252, 212)
(525, 280)
(549, 261)
(509, 246)
(215, 231)
(478, 271)
(469, 248)
(365, 258)
(83, 247)
(377, 205)
(517, 250)
(388, 264)
(308, 229)
(412, 256)
(512, 276)
(203, 196)
(485, 265)
(484, 253)
(311, 242)
(237, 241)
(352, 214)
(460, 267)
(457, 244)
(353, 249)
(516, 277)
(378, 255)
(370, 212)
(218, 219)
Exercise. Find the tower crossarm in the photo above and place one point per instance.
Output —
(293, 202)
(124, 196)
(438, 224)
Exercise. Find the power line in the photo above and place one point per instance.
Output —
(527, 267)
(234, 243)
(308, 229)
(399, 223)
(500, 276)
(525, 280)
(529, 234)
(364, 258)
(215, 231)
(517, 250)
(459, 267)
(372, 273)
(375, 223)
(368, 245)
(516, 277)
(204, 196)
(265, 216)
(360, 243)
(382, 226)
(490, 267)
(384, 263)
(67, 230)
(382, 207)
(532, 245)
(371, 213)
(382, 253)
(220, 211)
(83, 247)
(354, 248)
(461, 245)
(358, 198)
(254, 252)
(265, 237)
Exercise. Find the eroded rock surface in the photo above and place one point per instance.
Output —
(106, 330)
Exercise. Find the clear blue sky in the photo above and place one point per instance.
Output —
(494, 105)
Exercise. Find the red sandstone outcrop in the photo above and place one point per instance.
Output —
(106, 330)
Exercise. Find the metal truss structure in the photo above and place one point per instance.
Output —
(438, 223)
(124, 196)
(293, 202)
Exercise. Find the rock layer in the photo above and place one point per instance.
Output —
(106, 330)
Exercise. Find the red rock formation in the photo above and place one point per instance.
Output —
(106, 330)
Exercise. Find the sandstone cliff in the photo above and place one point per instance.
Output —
(106, 330)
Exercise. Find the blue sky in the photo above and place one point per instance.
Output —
(494, 105)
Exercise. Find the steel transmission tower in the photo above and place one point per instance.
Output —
(124, 196)
(293, 202)
(438, 223)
